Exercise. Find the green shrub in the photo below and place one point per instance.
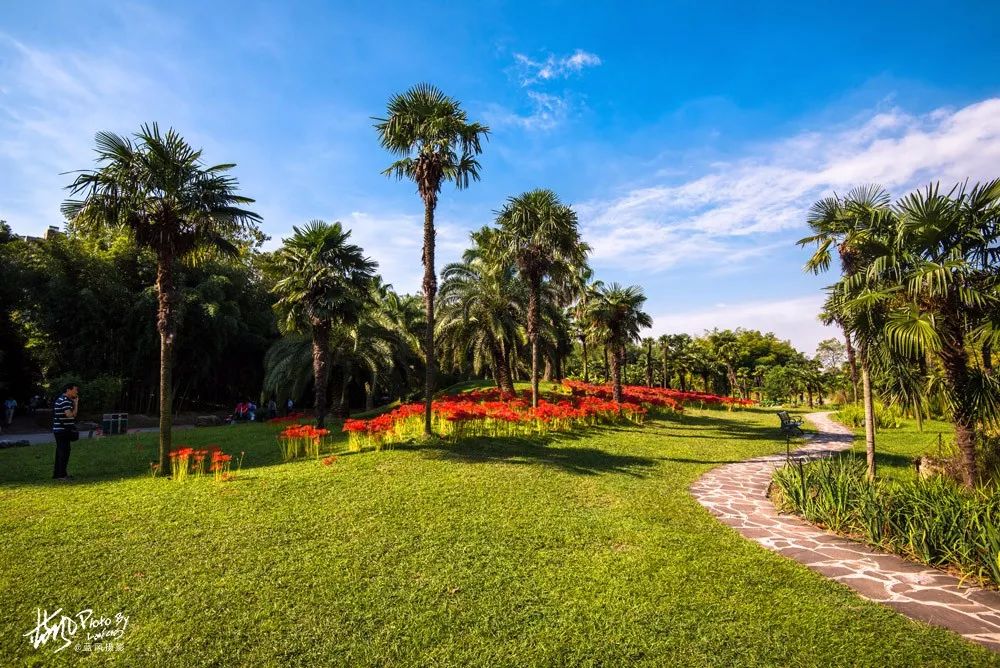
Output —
(886, 417)
(934, 521)
(97, 395)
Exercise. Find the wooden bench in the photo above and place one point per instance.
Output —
(790, 426)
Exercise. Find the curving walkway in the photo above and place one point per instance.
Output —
(737, 495)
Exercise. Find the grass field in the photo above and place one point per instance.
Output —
(584, 550)
(896, 449)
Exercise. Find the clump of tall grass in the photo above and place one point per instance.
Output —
(886, 417)
(934, 521)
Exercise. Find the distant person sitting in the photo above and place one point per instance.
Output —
(272, 409)
(64, 428)
(289, 406)
(240, 412)
(251, 411)
(9, 407)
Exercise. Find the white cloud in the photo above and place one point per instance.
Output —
(531, 71)
(656, 226)
(792, 319)
(547, 112)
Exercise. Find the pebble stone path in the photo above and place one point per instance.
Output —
(737, 495)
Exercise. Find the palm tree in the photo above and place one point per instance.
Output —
(540, 235)
(617, 318)
(377, 345)
(480, 314)
(324, 282)
(155, 187)
(852, 225)
(435, 142)
(945, 263)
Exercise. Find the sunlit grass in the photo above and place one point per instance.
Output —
(585, 550)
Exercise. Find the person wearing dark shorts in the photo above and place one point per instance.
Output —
(63, 425)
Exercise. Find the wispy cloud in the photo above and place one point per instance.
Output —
(547, 111)
(736, 203)
(793, 319)
(532, 71)
(51, 105)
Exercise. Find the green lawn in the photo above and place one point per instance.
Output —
(895, 449)
(587, 550)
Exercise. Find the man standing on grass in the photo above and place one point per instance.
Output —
(64, 428)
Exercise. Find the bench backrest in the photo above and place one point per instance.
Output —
(783, 415)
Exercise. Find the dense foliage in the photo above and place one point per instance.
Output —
(933, 521)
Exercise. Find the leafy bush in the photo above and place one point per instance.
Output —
(886, 417)
(97, 395)
(933, 521)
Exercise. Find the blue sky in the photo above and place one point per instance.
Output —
(690, 136)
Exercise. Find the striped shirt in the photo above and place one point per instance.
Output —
(59, 420)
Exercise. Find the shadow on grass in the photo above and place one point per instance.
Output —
(548, 451)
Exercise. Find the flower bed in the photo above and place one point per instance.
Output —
(489, 413)
(658, 396)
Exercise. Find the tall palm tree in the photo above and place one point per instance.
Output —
(435, 142)
(617, 318)
(323, 282)
(539, 234)
(155, 187)
(946, 264)
(852, 225)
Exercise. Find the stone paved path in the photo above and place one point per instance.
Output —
(737, 495)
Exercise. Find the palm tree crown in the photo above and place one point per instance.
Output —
(435, 142)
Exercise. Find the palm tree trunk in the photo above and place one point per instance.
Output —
(586, 360)
(534, 288)
(500, 368)
(683, 379)
(666, 371)
(616, 376)
(607, 365)
(852, 363)
(649, 364)
(166, 324)
(430, 290)
(955, 360)
(321, 369)
(866, 383)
